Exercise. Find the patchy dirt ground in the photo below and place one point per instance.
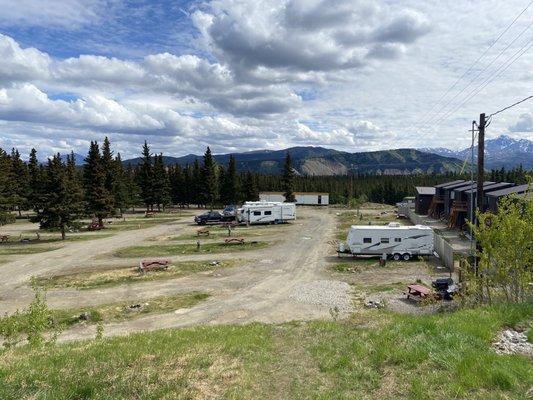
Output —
(292, 279)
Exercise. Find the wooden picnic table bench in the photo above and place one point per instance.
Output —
(234, 240)
(418, 291)
(202, 232)
(4, 238)
(152, 265)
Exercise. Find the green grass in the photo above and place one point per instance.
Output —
(117, 311)
(183, 248)
(22, 249)
(125, 275)
(375, 355)
(217, 233)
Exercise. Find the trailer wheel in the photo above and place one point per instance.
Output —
(406, 257)
(397, 257)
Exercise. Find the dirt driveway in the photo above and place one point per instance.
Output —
(263, 289)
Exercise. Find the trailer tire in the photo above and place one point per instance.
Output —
(406, 257)
(396, 256)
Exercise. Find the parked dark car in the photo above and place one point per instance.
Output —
(212, 217)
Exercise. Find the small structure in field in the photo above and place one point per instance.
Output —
(301, 198)
(153, 265)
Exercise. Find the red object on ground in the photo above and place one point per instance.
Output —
(149, 265)
(418, 291)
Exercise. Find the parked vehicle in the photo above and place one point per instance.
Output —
(394, 240)
(230, 211)
(212, 217)
(258, 212)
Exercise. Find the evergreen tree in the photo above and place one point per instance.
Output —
(98, 200)
(161, 183)
(109, 167)
(249, 189)
(132, 189)
(209, 179)
(36, 177)
(288, 179)
(197, 184)
(6, 189)
(121, 195)
(177, 185)
(229, 187)
(21, 181)
(145, 178)
(63, 195)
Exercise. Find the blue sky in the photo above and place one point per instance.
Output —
(240, 75)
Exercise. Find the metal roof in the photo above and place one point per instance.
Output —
(504, 192)
(465, 184)
(487, 184)
(443, 185)
(425, 190)
(494, 186)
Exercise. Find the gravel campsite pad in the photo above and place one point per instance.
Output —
(324, 293)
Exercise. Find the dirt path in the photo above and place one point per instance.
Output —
(14, 290)
(259, 291)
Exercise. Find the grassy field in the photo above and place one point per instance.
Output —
(375, 355)
(186, 248)
(218, 233)
(125, 275)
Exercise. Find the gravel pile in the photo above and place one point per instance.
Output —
(513, 342)
(324, 293)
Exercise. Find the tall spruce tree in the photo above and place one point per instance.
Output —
(36, 177)
(161, 184)
(98, 200)
(21, 181)
(63, 195)
(288, 179)
(209, 179)
(229, 186)
(145, 178)
(109, 166)
(197, 184)
(6, 189)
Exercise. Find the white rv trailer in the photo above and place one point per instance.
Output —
(394, 240)
(262, 212)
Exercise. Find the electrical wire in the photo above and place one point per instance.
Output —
(423, 120)
(511, 106)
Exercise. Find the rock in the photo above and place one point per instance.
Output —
(513, 342)
(84, 316)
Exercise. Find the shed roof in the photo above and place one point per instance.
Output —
(504, 192)
(458, 185)
(468, 188)
(425, 190)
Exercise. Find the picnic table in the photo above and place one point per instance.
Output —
(202, 232)
(418, 291)
(152, 265)
(231, 240)
(4, 238)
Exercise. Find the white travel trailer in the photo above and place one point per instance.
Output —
(262, 212)
(394, 240)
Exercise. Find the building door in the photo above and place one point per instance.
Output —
(319, 199)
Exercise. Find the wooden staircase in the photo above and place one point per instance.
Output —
(433, 210)
(457, 208)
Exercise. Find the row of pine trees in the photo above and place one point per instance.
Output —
(59, 192)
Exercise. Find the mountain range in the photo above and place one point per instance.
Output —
(503, 151)
(321, 161)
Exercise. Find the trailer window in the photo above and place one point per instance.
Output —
(268, 212)
(257, 212)
(384, 240)
(397, 239)
(367, 240)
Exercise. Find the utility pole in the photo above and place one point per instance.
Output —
(480, 161)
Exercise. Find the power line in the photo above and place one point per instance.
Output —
(505, 65)
(511, 106)
(446, 114)
(424, 117)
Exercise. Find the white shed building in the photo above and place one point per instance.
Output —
(302, 198)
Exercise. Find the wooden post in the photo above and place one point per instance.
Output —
(480, 161)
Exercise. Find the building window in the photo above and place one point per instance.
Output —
(268, 212)
(367, 240)
(384, 240)
(257, 212)
(397, 239)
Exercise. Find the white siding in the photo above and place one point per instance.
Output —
(301, 198)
